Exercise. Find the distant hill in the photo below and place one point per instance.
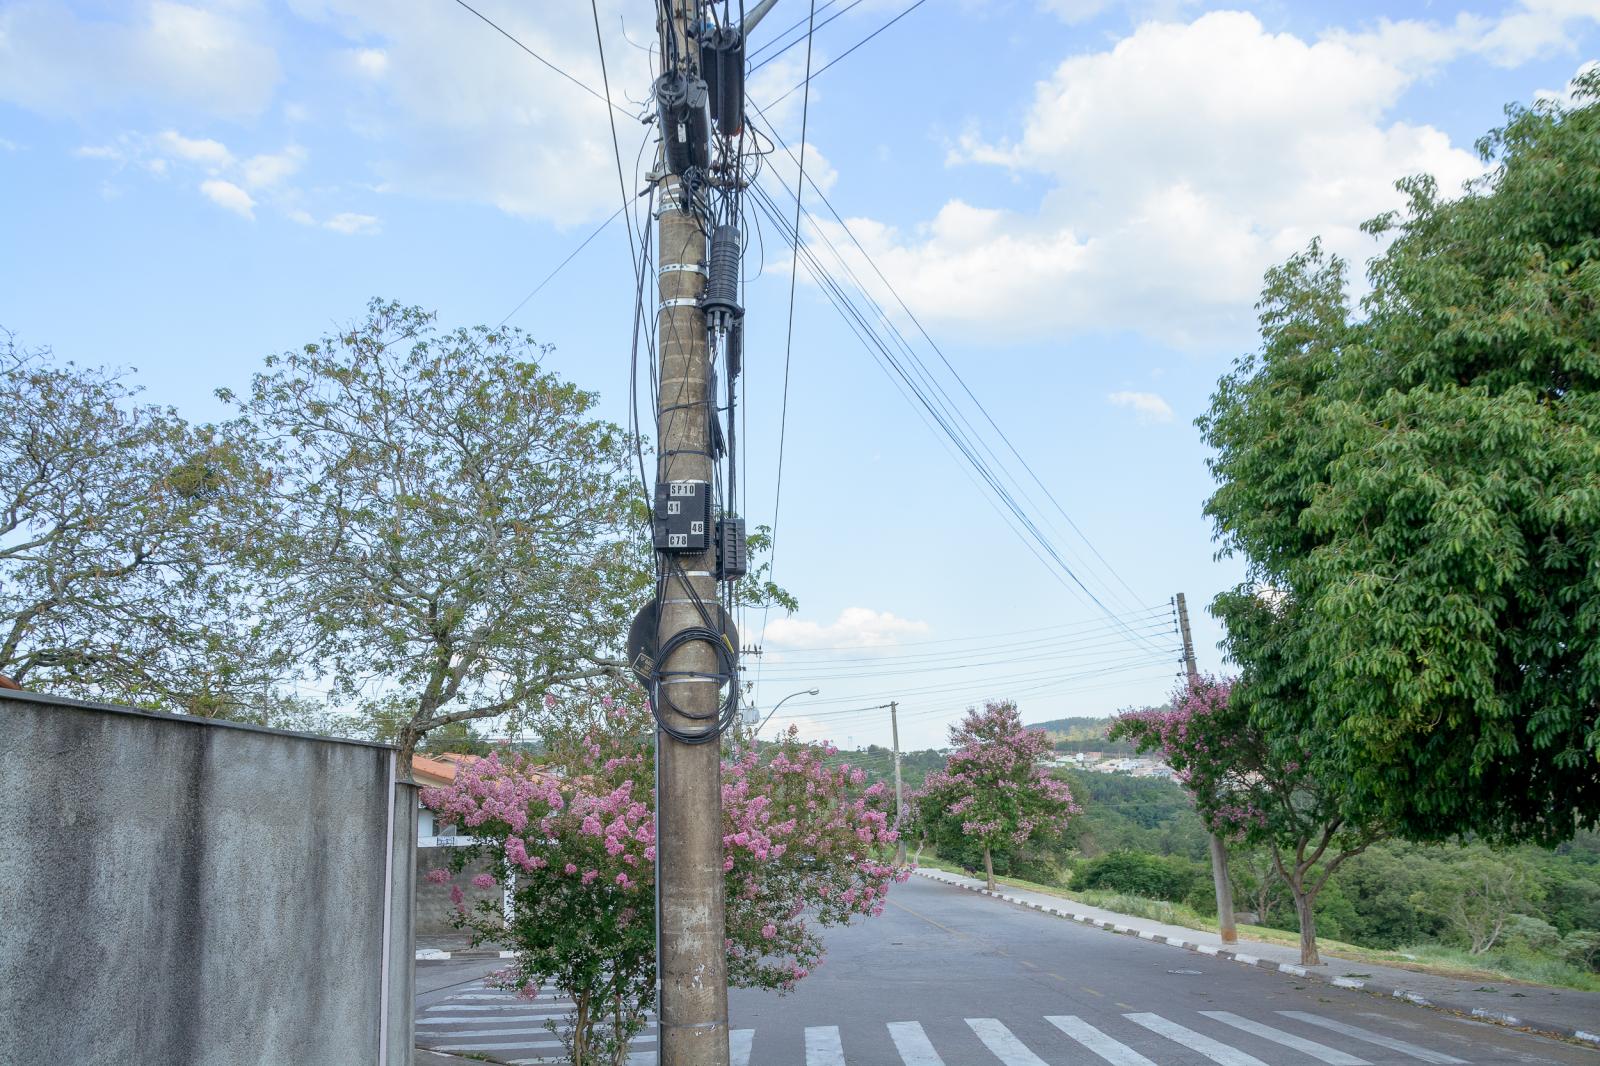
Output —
(1083, 734)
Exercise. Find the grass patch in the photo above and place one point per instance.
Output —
(1425, 958)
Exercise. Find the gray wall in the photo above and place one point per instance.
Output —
(180, 891)
(434, 911)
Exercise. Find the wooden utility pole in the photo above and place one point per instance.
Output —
(1219, 850)
(899, 795)
(693, 961)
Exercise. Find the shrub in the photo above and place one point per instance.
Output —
(1156, 877)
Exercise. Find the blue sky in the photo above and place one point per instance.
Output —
(1076, 198)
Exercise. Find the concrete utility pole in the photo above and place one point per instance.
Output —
(692, 959)
(1219, 850)
(899, 795)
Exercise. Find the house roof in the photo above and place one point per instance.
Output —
(437, 770)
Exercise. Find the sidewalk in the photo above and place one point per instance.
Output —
(1561, 1012)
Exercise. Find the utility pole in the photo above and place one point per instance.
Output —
(693, 962)
(899, 795)
(1219, 850)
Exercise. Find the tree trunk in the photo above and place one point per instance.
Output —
(988, 866)
(407, 742)
(1304, 908)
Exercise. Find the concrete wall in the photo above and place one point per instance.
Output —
(180, 891)
(434, 910)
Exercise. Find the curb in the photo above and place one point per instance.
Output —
(1496, 1017)
(436, 955)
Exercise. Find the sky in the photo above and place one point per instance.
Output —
(1074, 200)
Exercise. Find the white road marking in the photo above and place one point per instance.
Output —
(526, 1045)
(823, 1047)
(1113, 1052)
(739, 1041)
(492, 1032)
(484, 995)
(513, 1005)
(1278, 1036)
(1004, 1043)
(1216, 1051)
(1371, 1037)
(480, 1019)
(913, 1045)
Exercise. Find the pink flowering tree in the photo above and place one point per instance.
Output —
(574, 840)
(992, 791)
(1256, 788)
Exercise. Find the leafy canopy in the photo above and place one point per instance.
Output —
(1417, 493)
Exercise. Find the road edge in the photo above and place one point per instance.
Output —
(1510, 1021)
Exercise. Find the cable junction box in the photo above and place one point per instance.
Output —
(682, 521)
(732, 551)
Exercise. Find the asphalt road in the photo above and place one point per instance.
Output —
(947, 978)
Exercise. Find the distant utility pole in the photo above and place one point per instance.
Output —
(1219, 850)
(693, 961)
(899, 794)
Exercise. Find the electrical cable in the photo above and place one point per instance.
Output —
(508, 36)
(559, 266)
(845, 53)
(843, 225)
(788, 346)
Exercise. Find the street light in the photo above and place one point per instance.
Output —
(786, 699)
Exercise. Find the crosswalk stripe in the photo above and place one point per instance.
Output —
(492, 1032)
(513, 1005)
(1216, 1051)
(823, 1047)
(1371, 1037)
(1323, 1052)
(913, 1045)
(1098, 1042)
(479, 1019)
(1003, 1043)
(525, 1045)
(739, 1041)
(484, 995)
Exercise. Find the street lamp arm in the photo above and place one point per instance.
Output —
(780, 703)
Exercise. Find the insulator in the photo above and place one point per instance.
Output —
(735, 347)
(685, 122)
(721, 301)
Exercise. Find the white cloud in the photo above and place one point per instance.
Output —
(260, 171)
(208, 58)
(461, 113)
(856, 627)
(227, 195)
(207, 152)
(1182, 162)
(1536, 28)
(1567, 98)
(1149, 406)
(1527, 30)
(350, 223)
(373, 62)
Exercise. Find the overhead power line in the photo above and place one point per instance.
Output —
(510, 37)
(846, 52)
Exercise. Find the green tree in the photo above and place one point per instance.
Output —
(1417, 493)
(1256, 787)
(119, 524)
(992, 794)
(456, 534)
